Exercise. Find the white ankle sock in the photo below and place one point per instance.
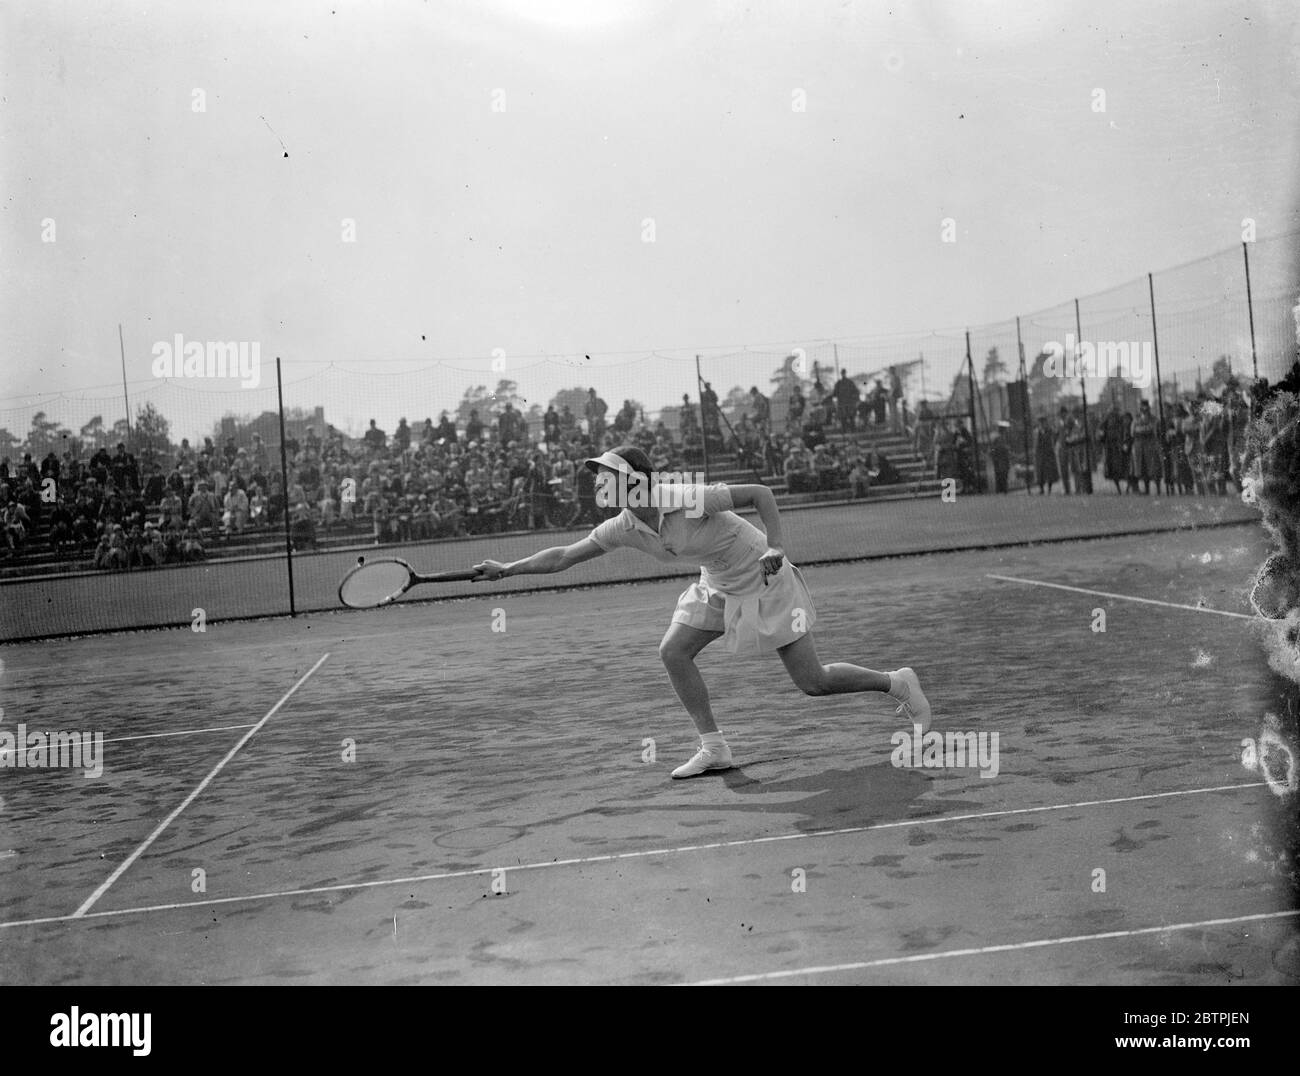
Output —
(896, 686)
(712, 739)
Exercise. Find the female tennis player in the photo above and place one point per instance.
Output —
(747, 593)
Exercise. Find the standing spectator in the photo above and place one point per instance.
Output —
(1146, 449)
(1191, 467)
(568, 422)
(1079, 452)
(895, 399)
(760, 407)
(376, 439)
(1064, 432)
(1214, 442)
(473, 428)
(794, 414)
(551, 426)
(446, 428)
(1112, 439)
(229, 451)
(709, 416)
(1046, 472)
(595, 411)
(1128, 451)
(880, 404)
(1001, 457)
(402, 435)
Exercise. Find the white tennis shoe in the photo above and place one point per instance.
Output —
(706, 758)
(912, 704)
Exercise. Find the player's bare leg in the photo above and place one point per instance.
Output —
(840, 678)
(678, 649)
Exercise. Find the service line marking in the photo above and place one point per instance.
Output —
(1121, 597)
(126, 863)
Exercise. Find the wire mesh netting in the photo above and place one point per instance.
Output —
(188, 512)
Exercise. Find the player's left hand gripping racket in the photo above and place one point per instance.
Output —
(380, 582)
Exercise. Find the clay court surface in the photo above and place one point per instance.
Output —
(523, 750)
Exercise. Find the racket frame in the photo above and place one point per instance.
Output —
(414, 579)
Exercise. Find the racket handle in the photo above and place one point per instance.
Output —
(450, 577)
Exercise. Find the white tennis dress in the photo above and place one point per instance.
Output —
(731, 595)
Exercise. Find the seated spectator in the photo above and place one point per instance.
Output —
(826, 467)
(302, 526)
(257, 507)
(111, 554)
(235, 516)
(192, 543)
(859, 479)
(882, 472)
(171, 512)
(83, 528)
(16, 523)
(204, 508)
(61, 519)
(153, 550)
(327, 506)
(798, 473)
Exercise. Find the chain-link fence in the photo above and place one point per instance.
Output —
(195, 508)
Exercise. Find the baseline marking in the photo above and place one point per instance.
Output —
(344, 887)
(950, 954)
(126, 863)
(1121, 597)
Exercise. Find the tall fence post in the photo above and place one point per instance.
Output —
(1250, 310)
(1155, 349)
(1024, 414)
(284, 481)
(1083, 391)
(974, 433)
(704, 429)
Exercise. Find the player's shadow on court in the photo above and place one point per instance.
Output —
(832, 799)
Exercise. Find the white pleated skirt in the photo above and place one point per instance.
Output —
(758, 622)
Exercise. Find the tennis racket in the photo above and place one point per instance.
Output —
(380, 582)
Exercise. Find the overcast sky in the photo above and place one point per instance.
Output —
(499, 159)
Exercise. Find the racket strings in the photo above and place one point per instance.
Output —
(374, 584)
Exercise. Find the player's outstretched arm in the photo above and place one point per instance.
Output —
(556, 559)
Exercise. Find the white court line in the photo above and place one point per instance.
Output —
(182, 732)
(983, 950)
(155, 735)
(1120, 597)
(344, 887)
(126, 863)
